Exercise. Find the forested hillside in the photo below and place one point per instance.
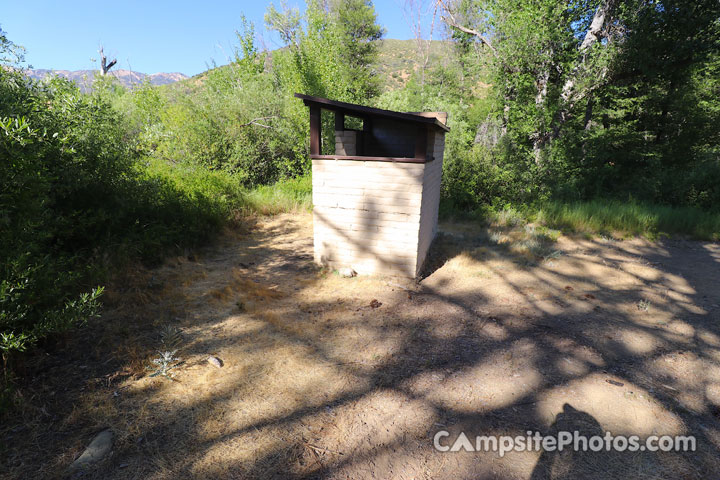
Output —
(398, 61)
(598, 115)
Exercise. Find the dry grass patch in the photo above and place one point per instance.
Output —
(330, 377)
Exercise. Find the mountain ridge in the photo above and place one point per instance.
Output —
(397, 61)
(128, 78)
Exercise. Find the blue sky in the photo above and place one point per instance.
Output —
(148, 36)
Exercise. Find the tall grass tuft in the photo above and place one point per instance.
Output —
(603, 217)
(290, 195)
(629, 218)
(225, 197)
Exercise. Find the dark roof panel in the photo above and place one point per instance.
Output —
(361, 110)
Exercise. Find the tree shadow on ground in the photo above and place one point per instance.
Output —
(319, 384)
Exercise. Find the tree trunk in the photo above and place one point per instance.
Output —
(488, 132)
(539, 138)
(587, 123)
(665, 109)
(569, 95)
(506, 117)
(104, 65)
(588, 112)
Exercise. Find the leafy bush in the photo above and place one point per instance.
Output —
(237, 122)
(242, 118)
(58, 155)
(235, 118)
(74, 196)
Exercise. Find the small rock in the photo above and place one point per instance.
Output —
(375, 304)
(98, 449)
(215, 362)
(155, 283)
(347, 273)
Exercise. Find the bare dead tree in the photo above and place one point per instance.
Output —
(104, 65)
(489, 131)
(255, 121)
(450, 19)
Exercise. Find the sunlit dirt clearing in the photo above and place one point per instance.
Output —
(320, 382)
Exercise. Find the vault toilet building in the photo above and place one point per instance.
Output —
(375, 199)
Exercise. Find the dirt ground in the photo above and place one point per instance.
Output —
(350, 378)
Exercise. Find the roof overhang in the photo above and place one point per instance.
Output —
(427, 118)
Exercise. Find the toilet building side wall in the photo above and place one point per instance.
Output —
(430, 197)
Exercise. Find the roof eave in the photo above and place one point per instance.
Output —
(328, 104)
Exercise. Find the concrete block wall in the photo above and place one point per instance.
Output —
(431, 195)
(366, 215)
(373, 216)
(346, 142)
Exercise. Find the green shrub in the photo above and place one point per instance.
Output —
(58, 155)
(74, 195)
